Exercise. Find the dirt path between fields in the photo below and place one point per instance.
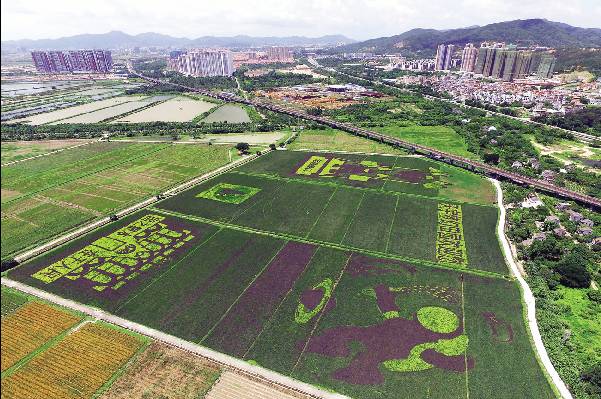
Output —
(228, 362)
(529, 300)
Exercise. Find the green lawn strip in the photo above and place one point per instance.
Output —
(332, 139)
(413, 232)
(509, 348)
(322, 211)
(333, 184)
(11, 300)
(146, 341)
(47, 345)
(342, 247)
(93, 172)
(371, 222)
(482, 243)
(337, 216)
(282, 332)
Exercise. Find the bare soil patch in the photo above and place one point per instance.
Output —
(162, 371)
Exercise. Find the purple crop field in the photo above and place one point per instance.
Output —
(234, 334)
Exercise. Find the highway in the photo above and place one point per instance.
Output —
(456, 160)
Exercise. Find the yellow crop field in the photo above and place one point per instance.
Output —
(76, 367)
(28, 328)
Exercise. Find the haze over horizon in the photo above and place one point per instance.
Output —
(356, 19)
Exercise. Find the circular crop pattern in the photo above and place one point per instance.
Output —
(437, 319)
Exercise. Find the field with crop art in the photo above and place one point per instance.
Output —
(365, 275)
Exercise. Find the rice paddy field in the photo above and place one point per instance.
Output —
(179, 109)
(440, 137)
(18, 150)
(229, 113)
(367, 275)
(337, 140)
(45, 196)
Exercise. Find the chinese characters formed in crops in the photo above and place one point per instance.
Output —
(450, 243)
(111, 262)
(362, 171)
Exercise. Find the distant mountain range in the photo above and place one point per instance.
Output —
(521, 32)
(118, 40)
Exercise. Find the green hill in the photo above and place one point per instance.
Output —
(521, 32)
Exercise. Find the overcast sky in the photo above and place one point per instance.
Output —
(358, 19)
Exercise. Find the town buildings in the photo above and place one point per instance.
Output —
(82, 61)
(203, 63)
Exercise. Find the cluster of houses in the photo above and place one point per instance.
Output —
(547, 174)
(585, 225)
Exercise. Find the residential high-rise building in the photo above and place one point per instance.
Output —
(444, 55)
(280, 54)
(176, 53)
(546, 66)
(204, 62)
(41, 61)
(59, 61)
(88, 61)
(468, 58)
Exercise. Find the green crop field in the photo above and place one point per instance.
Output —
(337, 140)
(358, 274)
(45, 196)
(440, 137)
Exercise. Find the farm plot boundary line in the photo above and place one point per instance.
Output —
(94, 172)
(165, 272)
(48, 153)
(77, 232)
(374, 190)
(223, 360)
(529, 302)
(342, 247)
(276, 310)
(242, 293)
(321, 213)
(321, 313)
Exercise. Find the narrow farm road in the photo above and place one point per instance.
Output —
(529, 300)
(228, 362)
